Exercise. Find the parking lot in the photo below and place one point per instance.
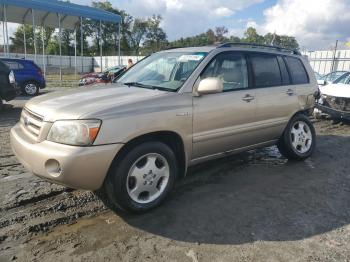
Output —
(254, 206)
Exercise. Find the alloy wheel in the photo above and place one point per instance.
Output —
(148, 178)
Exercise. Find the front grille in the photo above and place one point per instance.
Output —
(31, 122)
(337, 103)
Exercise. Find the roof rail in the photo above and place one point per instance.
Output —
(278, 48)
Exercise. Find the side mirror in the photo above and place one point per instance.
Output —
(210, 85)
(322, 82)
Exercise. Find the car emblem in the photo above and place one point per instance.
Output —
(26, 121)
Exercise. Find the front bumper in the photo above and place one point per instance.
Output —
(333, 112)
(80, 167)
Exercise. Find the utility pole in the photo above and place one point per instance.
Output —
(334, 55)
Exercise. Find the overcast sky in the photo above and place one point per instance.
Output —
(315, 23)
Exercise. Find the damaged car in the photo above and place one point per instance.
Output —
(335, 100)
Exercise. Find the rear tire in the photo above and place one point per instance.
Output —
(30, 88)
(299, 139)
(142, 178)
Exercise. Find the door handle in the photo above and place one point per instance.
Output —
(248, 98)
(290, 92)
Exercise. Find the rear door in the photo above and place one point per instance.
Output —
(275, 95)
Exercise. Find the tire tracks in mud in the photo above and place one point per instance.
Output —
(29, 205)
(41, 206)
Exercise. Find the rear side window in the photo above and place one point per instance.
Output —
(297, 71)
(13, 65)
(266, 71)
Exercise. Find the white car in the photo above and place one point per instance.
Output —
(335, 100)
(333, 77)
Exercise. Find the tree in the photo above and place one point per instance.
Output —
(288, 42)
(251, 36)
(155, 36)
(109, 30)
(137, 34)
(220, 33)
(281, 40)
(17, 40)
(85, 42)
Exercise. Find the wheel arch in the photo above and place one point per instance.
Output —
(27, 81)
(170, 138)
(306, 112)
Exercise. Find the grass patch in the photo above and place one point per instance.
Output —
(68, 81)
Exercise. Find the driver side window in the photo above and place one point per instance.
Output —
(231, 67)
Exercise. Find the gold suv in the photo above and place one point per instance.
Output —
(176, 108)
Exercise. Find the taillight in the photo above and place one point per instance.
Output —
(40, 72)
(12, 78)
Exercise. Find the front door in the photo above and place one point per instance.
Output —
(223, 121)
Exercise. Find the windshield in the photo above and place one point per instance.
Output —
(344, 79)
(165, 71)
(317, 75)
(111, 70)
(333, 76)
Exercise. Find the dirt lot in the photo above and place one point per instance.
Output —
(255, 206)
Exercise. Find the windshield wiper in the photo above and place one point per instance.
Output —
(137, 84)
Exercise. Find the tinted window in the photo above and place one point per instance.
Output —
(231, 67)
(284, 71)
(297, 71)
(266, 71)
(13, 65)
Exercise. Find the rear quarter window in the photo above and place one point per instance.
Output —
(13, 65)
(297, 71)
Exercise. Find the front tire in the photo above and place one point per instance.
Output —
(299, 139)
(30, 88)
(142, 178)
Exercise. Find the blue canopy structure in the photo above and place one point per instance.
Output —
(54, 14)
(19, 11)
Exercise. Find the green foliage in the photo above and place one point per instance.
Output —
(139, 36)
(155, 39)
(17, 39)
(219, 35)
(251, 36)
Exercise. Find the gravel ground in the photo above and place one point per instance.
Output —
(248, 207)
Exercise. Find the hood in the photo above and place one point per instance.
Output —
(87, 102)
(337, 90)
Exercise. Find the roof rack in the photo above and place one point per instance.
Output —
(278, 48)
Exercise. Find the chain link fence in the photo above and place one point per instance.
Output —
(324, 62)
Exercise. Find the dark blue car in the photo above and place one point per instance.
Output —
(28, 75)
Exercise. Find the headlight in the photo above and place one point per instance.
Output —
(74, 132)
